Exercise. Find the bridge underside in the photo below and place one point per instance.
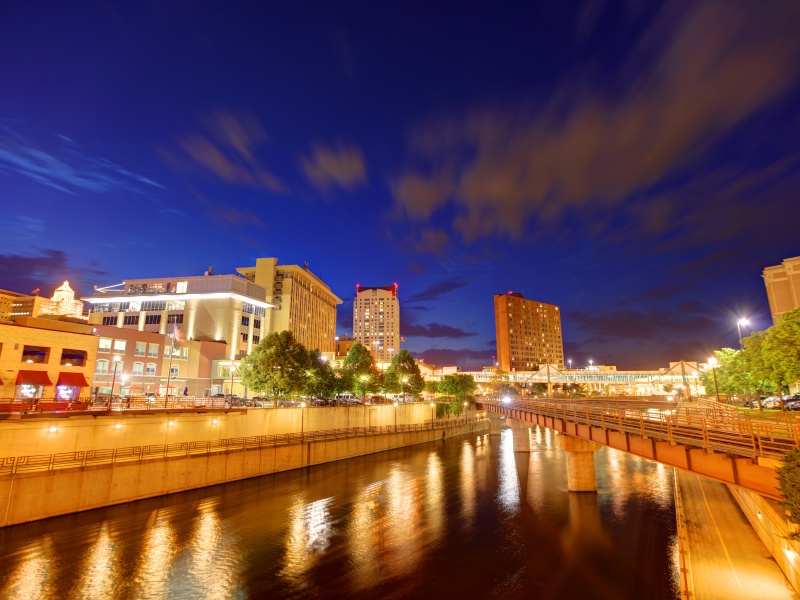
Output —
(736, 470)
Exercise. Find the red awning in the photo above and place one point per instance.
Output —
(33, 378)
(73, 379)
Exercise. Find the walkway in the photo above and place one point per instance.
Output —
(727, 559)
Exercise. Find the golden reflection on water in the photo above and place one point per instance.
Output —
(434, 494)
(151, 578)
(508, 483)
(402, 534)
(99, 568)
(310, 530)
(364, 535)
(31, 578)
(210, 565)
(468, 492)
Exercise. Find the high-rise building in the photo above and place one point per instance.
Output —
(783, 287)
(528, 333)
(221, 308)
(7, 300)
(376, 320)
(303, 303)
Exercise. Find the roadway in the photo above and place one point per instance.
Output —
(727, 559)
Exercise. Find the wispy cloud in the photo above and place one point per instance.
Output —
(438, 289)
(434, 330)
(57, 161)
(328, 167)
(22, 273)
(227, 145)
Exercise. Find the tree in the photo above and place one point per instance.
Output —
(359, 372)
(321, 377)
(403, 375)
(432, 387)
(278, 366)
(781, 350)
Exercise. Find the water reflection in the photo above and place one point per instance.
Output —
(449, 519)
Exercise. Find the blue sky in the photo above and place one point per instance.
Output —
(635, 163)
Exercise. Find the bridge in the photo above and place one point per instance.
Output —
(708, 439)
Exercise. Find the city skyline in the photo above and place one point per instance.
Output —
(632, 165)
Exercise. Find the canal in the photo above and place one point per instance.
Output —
(462, 518)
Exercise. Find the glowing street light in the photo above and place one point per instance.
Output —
(433, 416)
(739, 323)
(713, 362)
(114, 363)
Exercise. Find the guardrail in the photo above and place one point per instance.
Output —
(139, 403)
(694, 426)
(82, 458)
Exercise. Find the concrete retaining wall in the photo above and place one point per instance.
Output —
(770, 523)
(32, 496)
(28, 437)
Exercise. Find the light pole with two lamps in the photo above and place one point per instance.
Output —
(114, 365)
(713, 362)
(739, 324)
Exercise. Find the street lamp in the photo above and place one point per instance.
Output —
(590, 364)
(302, 422)
(739, 324)
(433, 416)
(364, 389)
(395, 417)
(405, 381)
(569, 360)
(115, 361)
(465, 412)
(713, 362)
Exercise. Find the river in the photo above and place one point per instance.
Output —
(462, 518)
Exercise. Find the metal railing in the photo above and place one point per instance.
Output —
(707, 428)
(138, 403)
(82, 458)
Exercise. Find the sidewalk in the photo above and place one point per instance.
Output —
(727, 559)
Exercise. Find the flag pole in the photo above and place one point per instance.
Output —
(169, 368)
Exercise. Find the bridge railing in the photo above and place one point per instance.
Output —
(82, 458)
(706, 428)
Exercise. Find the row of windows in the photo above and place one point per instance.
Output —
(104, 367)
(250, 309)
(41, 355)
(139, 306)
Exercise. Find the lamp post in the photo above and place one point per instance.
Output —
(739, 324)
(569, 361)
(302, 422)
(465, 413)
(404, 380)
(364, 389)
(124, 380)
(395, 417)
(114, 362)
(713, 362)
(433, 416)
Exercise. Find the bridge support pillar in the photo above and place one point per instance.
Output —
(495, 423)
(580, 462)
(521, 432)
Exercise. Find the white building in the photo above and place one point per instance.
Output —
(376, 320)
(221, 308)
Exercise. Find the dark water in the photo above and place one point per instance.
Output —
(465, 518)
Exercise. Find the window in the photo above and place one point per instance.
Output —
(176, 305)
(110, 320)
(244, 337)
(138, 368)
(141, 349)
(101, 366)
(245, 321)
(152, 320)
(152, 350)
(73, 358)
(104, 345)
(175, 318)
(35, 354)
(119, 346)
(154, 305)
(184, 353)
(257, 323)
(151, 370)
(256, 339)
(130, 320)
(174, 371)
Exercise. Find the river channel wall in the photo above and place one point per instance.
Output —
(770, 523)
(26, 497)
(43, 434)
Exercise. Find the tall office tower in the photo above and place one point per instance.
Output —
(376, 320)
(528, 333)
(303, 304)
(783, 287)
(222, 308)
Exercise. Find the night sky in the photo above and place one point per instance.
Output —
(636, 163)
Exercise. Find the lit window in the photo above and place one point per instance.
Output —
(151, 369)
(138, 368)
(101, 366)
(104, 345)
(119, 346)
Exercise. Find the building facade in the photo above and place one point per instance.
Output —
(210, 308)
(376, 320)
(136, 362)
(45, 359)
(303, 303)
(528, 333)
(783, 287)
(62, 304)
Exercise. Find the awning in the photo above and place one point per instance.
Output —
(72, 379)
(33, 378)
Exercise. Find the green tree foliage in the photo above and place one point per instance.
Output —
(278, 366)
(359, 373)
(459, 385)
(432, 387)
(403, 375)
(789, 484)
(321, 380)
